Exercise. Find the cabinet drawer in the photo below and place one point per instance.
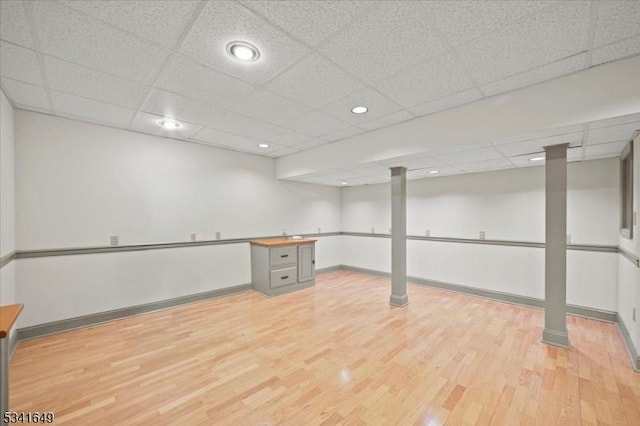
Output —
(287, 255)
(282, 277)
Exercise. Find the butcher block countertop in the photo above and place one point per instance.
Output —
(278, 242)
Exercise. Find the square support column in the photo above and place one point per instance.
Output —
(555, 263)
(399, 237)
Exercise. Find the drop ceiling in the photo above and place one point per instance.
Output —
(128, 64)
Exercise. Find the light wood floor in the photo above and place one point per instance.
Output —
(333, 354)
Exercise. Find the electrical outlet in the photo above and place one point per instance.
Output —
(114, 240)
(193, 236)
(482, 235)
(319, 230)
(284, 232)
(568, 238)
(427, 233)
(217, 235)
(373, 230)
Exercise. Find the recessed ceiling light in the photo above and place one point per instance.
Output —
(344, 182)
(243, 51)
(263, 145)
(169, 124)
(433, 172)
(359, 109)
(536, 159)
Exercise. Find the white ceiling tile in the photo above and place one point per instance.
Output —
(456, 158)
(553, 34)
(623, 132)
(236, 142)
(233, 122)
(439, 76)
(546, 72)
(283, 136)
(86, 82)
(343, 134)
(316, 124)
(282, 152)
(13, 23)
(616, 121)
(537, 144)
(314, 81)
(267, 106)
(158, 21)
(221, 22)
(25, 94)
(149, 123)
(612, 149)
(556, 131)
(447, 102)
(371, 169)
(87, 109)
(312, 143)
(616, 20)
(424, 173)
(485, 165)
(182, 109)
(188, 78)
(310, 21)
(19, 63)
(68, 34)
(413, 162)
(461, 21)
(611, 52)
(395, 36)
(387, 120)
(378, 105)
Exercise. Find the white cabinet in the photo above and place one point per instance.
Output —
(281, 266)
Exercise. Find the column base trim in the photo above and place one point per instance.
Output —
(555, 338)
(399, 301)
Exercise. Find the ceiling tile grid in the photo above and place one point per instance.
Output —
(159, 22)
(221, 22)
(68, 34)
(13, 23)
(26, 95)
(105, 62)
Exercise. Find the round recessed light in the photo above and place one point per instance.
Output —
(359, 109)
(169, 124)
(243, 51)
(344, 182)
(263, 145)
(433, 172)
(536, 159)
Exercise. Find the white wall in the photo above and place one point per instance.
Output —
(79, 183)
(507, 205)
(7, 201)
(629, 275)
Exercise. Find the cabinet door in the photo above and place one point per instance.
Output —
(306, 262)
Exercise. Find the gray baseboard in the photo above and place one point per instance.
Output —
(61, 326)
(580, 311)
(328, 269)
(631, 350)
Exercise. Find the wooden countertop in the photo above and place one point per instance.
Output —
(278, 242)
(8, 316)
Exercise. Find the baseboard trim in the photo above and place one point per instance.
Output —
(631, 350)
(574, 310)
(61, 326)
(328, 269)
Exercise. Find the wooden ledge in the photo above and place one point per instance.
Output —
(8, 316)
(282, 242)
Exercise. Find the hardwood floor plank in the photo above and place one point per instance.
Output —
(336, 353)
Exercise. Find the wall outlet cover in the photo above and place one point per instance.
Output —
(217, 235)
(114, 240)
(482, 235)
